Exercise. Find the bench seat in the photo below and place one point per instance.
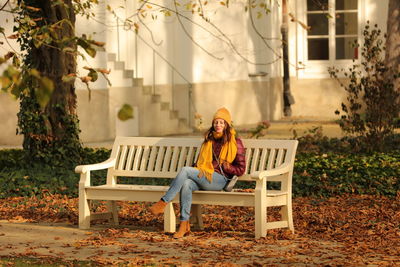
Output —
(153, 193)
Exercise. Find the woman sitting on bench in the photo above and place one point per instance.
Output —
(222, 155)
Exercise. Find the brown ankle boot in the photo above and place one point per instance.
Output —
(184, 229)
(158, 208)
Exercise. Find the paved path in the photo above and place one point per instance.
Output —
(140, 247)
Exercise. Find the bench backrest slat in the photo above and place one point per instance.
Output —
(174, 158)
(129, 160)
(167, 159)
(255, 160)
(160, 157)
(138, 157)
(280, 157)
(263, 159)
(164, 157)
(182, 158)
(197, 152)
(152, 157)
(122, 158)
(271, 159)
(145, 157)
(190, 156)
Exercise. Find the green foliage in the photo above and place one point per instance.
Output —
(334, 174)
(34, 30)
(39, 145)
(372, 101)
(23, 177)
(315, 141)
(44, 87)
(125, 113)
(259, 130)
(315, 174)
(33, 180)
(11, 158)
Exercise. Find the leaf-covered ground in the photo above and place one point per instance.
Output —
(350, 230)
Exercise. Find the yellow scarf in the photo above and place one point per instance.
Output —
(228, 153)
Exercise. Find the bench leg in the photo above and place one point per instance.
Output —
(260, 219)
(286, 213)
(169, 219)
(197, 218)
(84, 210)
(113, 209)
(260, 208)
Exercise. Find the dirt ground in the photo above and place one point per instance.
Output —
(144, 247)
(69, 243)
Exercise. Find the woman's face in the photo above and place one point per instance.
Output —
(219, 125)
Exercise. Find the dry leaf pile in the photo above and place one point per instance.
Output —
(344, 230)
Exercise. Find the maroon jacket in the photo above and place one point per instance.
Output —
(238, 165)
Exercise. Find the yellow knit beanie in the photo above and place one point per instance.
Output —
(224, 114)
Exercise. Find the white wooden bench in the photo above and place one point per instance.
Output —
(266, 160)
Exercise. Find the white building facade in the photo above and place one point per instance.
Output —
(177, 68)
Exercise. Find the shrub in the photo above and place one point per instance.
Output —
(21, 178)
(338, 173)
(373, 101)
(260, 129)
(315, 174)
(313, 141)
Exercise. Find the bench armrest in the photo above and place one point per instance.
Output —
(93, 167)
(273, 172)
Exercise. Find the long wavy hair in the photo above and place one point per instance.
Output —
(208, 136)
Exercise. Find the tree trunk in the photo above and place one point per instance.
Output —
(54, 63)
(392, 58)
(54, 129)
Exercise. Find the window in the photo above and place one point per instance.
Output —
(333, 29)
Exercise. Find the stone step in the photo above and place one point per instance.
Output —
(138, 82)
(111, 57)
(119, 65)
(164, 106)
(184, 127)
(147, 90)
(156, 98)
(117, 78)
(183, 121)
(156, 116)
(128, 74)
(173, 114)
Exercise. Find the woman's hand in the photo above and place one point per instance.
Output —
(226, 165)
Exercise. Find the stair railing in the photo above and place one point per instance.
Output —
(173, 69)
(155, 53)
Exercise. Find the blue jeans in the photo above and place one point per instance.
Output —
(186, 182)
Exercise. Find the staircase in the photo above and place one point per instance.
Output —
(155, 115)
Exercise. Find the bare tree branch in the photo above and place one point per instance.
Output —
(231, 44)
(146, 27)
(1, 9)
(279, 56)
(5, 38)
(224, 37)
(165, 60)
(191, 37)
(258, 32)
(179, 14)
